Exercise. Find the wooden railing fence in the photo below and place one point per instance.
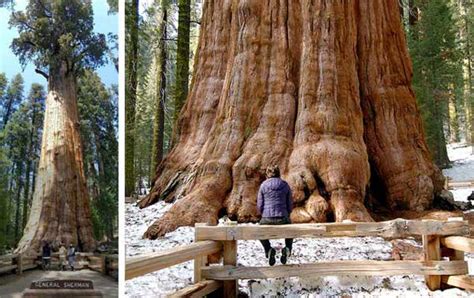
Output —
(17, 263)
(444, 244)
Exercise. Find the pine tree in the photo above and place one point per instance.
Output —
(12, 98)
(159, 121)
(35, 110)
(182, 58)
(435, 61)
(132, 22)
(98, 110)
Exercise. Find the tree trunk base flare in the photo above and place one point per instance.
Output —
(320, 88)
(60, 211)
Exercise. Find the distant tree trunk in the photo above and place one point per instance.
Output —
(131, 97)
(60, 211)
(19, 188)
(467, 16)
(26, 194)
(11, 181)
(8, 112)
(182, 60)
(412, 13)
(438, 148)
(469, 79)
(98, 146)
(159, 124)
(321, 88)
(29, 163)
(454, 131)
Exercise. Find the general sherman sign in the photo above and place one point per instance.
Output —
(63, 284)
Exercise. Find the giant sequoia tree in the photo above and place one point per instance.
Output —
(321, 88)
(58, 37)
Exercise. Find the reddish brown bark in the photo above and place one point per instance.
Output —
(60, 210)
(321, 88)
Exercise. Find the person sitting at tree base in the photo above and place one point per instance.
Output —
(275, 203)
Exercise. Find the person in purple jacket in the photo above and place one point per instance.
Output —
(275, 204)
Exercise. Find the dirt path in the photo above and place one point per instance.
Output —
(13, 285)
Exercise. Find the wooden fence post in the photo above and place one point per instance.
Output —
(432, 252)
(106, 265)
(230, 258)
(199, 261)
(103, 264)
(19, 264)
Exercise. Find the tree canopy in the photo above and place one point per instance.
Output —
(56, 33)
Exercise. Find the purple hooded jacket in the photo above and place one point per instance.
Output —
(274, 198)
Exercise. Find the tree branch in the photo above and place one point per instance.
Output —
(46, 11)
(23, 22)
(39, 71)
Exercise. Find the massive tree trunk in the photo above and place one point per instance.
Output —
(321, 88)
(60, 210)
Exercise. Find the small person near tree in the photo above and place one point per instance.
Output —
(71, 256)
(62, 257)
(46, 255)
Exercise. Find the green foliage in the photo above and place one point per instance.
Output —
(131, 61)
(98, 109)
(6, 3)
(436, 63)
(11, 98)
(19, 150)
(182, 56)
(4, 200)
(54, 33)
(149, 80)
(113, 6)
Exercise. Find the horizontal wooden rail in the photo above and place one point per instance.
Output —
(94, 262)
(141, 265)
(460, 184)
(398, 228)
(7, 268)
(459, 243)
(199, 289)
(337, 268)
(460, 281)
(7, 257)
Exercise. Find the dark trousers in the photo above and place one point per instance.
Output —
(275, 221)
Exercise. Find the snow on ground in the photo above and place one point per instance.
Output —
(250, 253)
(462, 168)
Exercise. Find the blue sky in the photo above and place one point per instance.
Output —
(10, 65)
